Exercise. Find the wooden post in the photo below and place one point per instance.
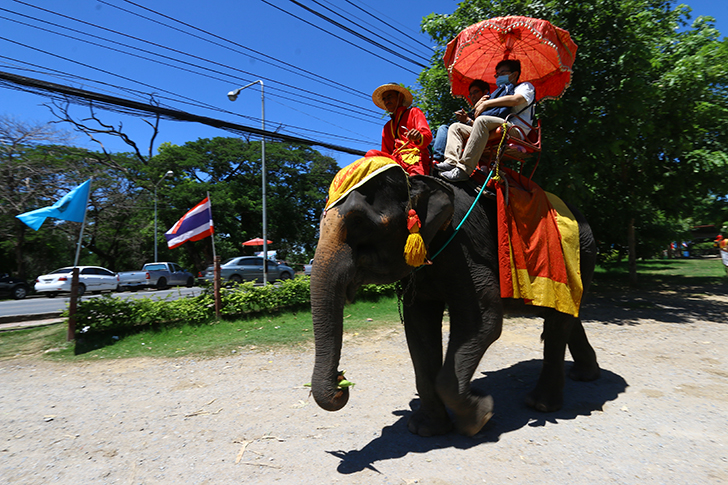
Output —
(218, 301)
(72, 306)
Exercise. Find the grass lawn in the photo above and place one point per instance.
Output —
(212, 339)
(295, 329)
(662, 273)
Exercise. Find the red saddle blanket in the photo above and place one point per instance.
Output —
(538, 246)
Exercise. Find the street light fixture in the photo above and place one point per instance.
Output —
(232, 96)
(169, 172)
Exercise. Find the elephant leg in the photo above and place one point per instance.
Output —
(470, 336)
(585, 366)
(423, 327)
(548, 395)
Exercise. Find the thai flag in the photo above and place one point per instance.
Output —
(195, 225)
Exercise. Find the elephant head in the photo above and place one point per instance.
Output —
(362, 240)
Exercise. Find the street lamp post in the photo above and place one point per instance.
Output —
(169, 172)
(233, 95)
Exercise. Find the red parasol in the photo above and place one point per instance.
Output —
(258, 241)
(546, 53)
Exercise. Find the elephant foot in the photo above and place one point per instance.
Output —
(420, 423)
(546, 402)
(471, 423)
(584, 372)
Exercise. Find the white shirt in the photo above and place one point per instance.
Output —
(529, 93)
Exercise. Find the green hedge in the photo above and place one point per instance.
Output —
(111, 314)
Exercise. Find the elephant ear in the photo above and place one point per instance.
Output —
(434, 202)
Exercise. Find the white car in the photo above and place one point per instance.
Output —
(90, 279)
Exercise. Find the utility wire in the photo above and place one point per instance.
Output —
(337, 101)
(382, 33)
(340, 38)
(92, 67)
(75, 77)
(134, 108)
(289, 67)
(368, 12)
(298, 100)
(359, 35)
(290, 128)
(174, 96)
(106, 72)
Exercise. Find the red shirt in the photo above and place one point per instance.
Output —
(403, 120)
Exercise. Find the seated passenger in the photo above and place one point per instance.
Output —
(465, 143)
(406, 136)
(477, 90)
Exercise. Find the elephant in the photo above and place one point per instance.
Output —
(361, 242)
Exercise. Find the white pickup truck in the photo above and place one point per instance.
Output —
(156, 275)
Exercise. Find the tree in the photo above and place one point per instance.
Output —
(230, 170)
(642, 128)
(30, 173)
(36, 171)
(93, 126)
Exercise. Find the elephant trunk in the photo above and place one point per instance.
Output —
(332, 273)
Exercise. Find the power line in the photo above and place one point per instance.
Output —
(135, 108)
(141, 94)
(171, 96)
(356, 107)
(340, 38)
(357, 34)
(292, 69)
(175, 67)
(368, 12)
(287, 126)
(349, 15)
(292, 128)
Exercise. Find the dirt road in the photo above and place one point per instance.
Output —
(659, 414)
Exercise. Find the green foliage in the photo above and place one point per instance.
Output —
(120, 222)
(229, 169)
(641, 133)
(247, 298)
(110, 314)
(34, 175)
(375, 292)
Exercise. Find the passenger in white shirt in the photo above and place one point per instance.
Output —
(465, 143)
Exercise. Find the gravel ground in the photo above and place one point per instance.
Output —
(658, 414)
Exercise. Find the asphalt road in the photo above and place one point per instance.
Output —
(41, 305)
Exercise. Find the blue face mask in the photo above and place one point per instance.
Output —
(502, 80)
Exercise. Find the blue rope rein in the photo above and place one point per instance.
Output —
(466, 216)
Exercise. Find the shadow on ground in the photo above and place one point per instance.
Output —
(677, 300)
(508, 388)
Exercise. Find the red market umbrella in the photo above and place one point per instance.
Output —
(546, 53)
(258, 241)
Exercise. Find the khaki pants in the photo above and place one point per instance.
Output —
(473, 138)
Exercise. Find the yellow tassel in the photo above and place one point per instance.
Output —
(415, 251)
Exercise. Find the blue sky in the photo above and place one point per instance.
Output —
(317, 86)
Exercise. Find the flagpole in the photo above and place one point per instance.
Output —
(71, 331)
(212, 236)
(83, 224)
(216, 264)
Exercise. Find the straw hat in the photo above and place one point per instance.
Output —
(379, 92)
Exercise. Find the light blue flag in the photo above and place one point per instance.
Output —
(71, 207)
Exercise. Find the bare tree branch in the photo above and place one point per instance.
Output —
(93, 126)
